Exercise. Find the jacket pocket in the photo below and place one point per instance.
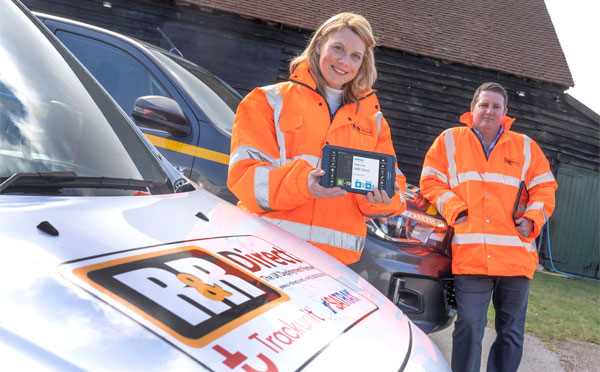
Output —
(290, 122)
(294, 134)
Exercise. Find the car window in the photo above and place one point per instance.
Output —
(218, 100)
(50, 120)
(124, 77)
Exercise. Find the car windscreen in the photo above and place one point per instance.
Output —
(216, 99)
(51, 121)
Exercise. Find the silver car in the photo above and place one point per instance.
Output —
(111, 261)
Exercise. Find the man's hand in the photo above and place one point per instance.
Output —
(462, 217)
(523, 226)
(460, 220)
(319, 191)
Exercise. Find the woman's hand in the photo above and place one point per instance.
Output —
(378, 196)
(319, 191)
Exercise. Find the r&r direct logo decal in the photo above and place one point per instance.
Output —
(188, 292)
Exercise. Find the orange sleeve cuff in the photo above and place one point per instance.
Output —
(303, 183)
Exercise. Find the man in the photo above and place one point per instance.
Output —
(472, 174)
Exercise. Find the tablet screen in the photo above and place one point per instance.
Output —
(359, 172)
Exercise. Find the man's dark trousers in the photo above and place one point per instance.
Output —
(473, 292)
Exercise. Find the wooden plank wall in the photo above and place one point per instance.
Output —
(420, 97)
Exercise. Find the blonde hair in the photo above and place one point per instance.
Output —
(367, 74)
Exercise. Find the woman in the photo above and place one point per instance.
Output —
(279, 131)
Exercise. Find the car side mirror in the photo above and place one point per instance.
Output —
(161, 113)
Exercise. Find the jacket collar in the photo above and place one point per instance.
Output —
(303, 76)
(467, 118)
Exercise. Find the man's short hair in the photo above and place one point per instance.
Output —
(492, 87)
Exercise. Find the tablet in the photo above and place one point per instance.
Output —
(521, 202)
(358, 171)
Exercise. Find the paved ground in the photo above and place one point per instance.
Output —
(536, 357)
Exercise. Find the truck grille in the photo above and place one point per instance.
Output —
(448, 287)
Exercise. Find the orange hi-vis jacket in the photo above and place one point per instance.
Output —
(278, 135)
(457, 177)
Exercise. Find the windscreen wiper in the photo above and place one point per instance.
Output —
(68, 179)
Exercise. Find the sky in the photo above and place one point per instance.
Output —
(577, 25)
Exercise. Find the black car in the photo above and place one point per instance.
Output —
(408, 259)
(187, 113)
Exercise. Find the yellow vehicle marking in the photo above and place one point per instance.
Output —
(184, 148)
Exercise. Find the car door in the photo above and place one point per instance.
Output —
(214, 103)
(126, 74)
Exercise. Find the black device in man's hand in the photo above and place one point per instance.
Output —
(520, 202)
(358, 171)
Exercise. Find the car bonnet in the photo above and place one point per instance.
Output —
(187, 281)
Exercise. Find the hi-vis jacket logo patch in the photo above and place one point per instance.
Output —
(361, 130)
(188, 292)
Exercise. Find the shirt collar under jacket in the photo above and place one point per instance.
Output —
(488, 150)
(467, 119)
(302, 75)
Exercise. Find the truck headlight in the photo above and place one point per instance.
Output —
(411, 227)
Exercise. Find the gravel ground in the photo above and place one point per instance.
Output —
(567, 356)
(578, 356)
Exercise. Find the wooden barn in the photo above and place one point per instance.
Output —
(431, 57)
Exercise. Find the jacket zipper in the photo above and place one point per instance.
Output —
(487, 158)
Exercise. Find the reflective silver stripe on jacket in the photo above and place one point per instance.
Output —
(534, 206)
(314, 161)
(249, 152)
(431, 171)
(276, 101)
(527, 153)
(378, 116)
(443, 198)
(400, 194)
(455, 179)
(321, 235)
(450, 150)
(545, 177)
(488, 177)
(493, 239)
(261, 187)
(261, 180)
(261, 174)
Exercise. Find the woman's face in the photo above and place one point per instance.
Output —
(340, 57)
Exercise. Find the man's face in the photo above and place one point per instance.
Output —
(488, 112)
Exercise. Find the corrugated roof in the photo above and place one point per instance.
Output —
(511, 36)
